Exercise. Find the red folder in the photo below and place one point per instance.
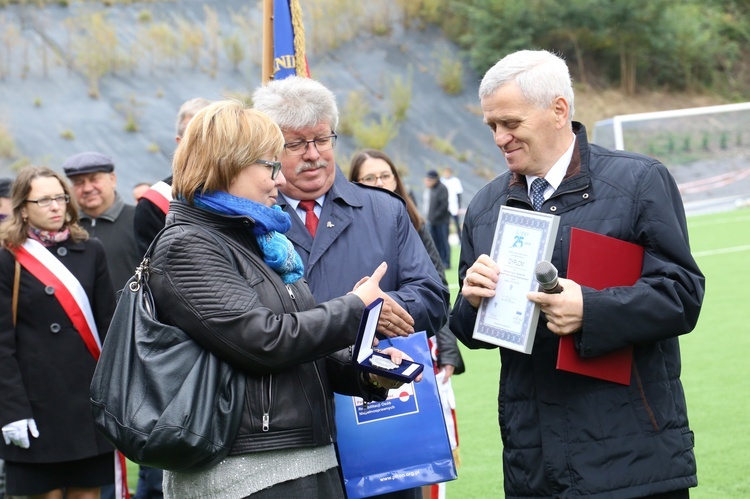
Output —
(600, 262)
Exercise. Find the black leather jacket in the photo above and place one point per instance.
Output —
(242, 311)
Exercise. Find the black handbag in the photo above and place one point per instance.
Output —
(157, 395)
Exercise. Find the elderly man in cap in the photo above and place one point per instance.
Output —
(5, 207)
(104, 213)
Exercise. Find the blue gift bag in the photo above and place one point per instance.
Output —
(400, 443)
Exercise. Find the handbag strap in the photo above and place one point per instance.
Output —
(144, 268)
(16, 286)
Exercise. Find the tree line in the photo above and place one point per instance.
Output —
(682, 45)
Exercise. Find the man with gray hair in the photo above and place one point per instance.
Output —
(340, 228)
(566, 434)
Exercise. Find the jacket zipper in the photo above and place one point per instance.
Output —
(315, 364)
(266, 413)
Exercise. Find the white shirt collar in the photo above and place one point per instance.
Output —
(556, 174)
(300, 212)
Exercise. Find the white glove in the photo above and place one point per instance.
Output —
(18, 432)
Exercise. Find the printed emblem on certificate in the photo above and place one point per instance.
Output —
(522, 239)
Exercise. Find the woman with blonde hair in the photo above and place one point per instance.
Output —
(224, 273)
(54, 282)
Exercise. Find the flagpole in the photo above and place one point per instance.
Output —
(267, 65)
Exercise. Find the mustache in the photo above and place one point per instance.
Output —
(311, 165)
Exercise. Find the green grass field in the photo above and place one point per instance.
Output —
(715, 374)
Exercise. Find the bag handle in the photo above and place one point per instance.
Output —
(143, 270)
(16, 286)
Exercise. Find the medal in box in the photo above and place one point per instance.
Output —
(374, 361)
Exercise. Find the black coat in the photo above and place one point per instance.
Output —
(438, 213)
(246, 315)
(45, 367)
(447, 345)
(114, 228)
(148, 221)
(570, 435)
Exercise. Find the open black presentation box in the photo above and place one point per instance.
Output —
(363, 352)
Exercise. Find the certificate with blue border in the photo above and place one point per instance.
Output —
(522, 239)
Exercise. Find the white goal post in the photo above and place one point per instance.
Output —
(707, 149)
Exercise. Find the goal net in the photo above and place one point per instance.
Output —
(707, 150)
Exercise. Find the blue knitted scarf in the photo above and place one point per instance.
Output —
(270, 224)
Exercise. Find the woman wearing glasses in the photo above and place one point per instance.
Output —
(51, 330)
(235, 285)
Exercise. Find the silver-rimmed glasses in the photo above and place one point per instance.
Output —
(47, 201)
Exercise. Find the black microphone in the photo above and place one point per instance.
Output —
(546, 276)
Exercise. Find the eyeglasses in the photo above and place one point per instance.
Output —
(321, 144)
(373, 179)
(47, 201)
(275, 167)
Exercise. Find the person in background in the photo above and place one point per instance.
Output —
(49, 345)
(104, 213)
(455, 189)
(340, 228)
(6, 207)
(151, 210)
(259, 314)
(435, 209)
(139, 190)
(564, 434)
(375, 168)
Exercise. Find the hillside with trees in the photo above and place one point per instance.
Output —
(110, 75)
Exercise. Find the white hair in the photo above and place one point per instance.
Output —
(541, 77)
(296, 102)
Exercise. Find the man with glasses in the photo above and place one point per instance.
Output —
(341, 230)
(104, 213)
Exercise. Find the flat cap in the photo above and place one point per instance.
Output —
(433, 174)
(5, 185)
(88, 162)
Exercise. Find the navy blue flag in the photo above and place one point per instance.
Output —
(284, 34)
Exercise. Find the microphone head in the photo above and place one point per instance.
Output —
(546, 274)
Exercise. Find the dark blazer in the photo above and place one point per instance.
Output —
(361, 227)
(45, 368)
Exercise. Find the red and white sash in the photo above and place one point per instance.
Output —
(160, 194)
(43, 265)
(448, 402)
(50, 271)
